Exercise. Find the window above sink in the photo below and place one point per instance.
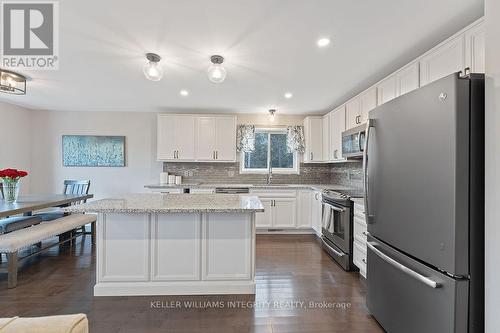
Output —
(270, 149)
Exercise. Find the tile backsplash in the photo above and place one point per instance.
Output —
(347, 174)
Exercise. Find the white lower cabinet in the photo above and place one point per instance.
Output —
(280, 209)
(265, 218)
(304, 209)
(316, 212)
(284, 212)
(287, 210)
(360, 233)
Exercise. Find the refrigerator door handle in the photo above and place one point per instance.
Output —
(403, 268)
(369, 124)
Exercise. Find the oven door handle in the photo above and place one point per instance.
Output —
(334, 208)
(340, 254)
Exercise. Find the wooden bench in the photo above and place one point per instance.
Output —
(11, 243)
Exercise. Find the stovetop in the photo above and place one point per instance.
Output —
(342, 197)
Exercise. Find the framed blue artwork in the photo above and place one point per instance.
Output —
(93, 151)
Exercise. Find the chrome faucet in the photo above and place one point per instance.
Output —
(269, 174)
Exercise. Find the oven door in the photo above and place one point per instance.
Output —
(336, 225)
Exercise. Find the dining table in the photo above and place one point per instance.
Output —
(26, 204)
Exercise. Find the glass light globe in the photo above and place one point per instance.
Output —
(217, 73)
(153, 71)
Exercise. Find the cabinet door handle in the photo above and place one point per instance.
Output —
(335, 154)
(213, 155)
(311, 154)
(216, 155)
(363, 260)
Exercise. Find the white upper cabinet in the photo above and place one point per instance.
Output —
(165, 138)
(399, 83)
(225, 138)
(408, 78)
(387, 90)
(206, 139)
(196, 138)
(368, 103)
(446, 59)
(475, 47)
(175, 137)
(357, 108)
(337, 126)
(326, 137)
(216, 138)
(353, 113)
(313, 132)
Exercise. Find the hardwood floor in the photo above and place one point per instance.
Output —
(290, 270)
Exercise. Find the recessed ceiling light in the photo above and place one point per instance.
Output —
(322, 42)
(184, 92)
(288, 95)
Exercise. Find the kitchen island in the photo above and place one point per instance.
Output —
(174, 244)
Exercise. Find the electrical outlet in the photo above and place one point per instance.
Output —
(190, 173)
(186, 173)
(230, 173)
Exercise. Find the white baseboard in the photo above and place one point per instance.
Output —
(174, 288)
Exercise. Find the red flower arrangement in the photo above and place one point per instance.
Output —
(13, 174)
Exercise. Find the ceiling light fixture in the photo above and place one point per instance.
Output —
(288, 95)
(323, 42)
(216, 72)
(271, 113)
(184, 93)
(12, 82)
(152, 69)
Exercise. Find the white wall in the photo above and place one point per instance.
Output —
(141, 165)
(34, 138)
(15, 140)
(492, 14)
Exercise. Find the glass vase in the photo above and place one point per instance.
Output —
(10, 190)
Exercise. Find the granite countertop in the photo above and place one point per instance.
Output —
(359, 201)
(316, 187)
(172, 203)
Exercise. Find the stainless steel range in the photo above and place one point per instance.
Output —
(337, 226)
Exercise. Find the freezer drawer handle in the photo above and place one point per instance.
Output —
(403, 268)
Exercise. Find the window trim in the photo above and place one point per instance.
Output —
(285, 171)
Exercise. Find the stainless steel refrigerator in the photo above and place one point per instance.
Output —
(424, 187)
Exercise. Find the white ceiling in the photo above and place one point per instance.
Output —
(269, 46)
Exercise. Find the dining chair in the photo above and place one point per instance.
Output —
(79, 187)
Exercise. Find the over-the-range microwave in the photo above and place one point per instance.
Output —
(353, 142)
